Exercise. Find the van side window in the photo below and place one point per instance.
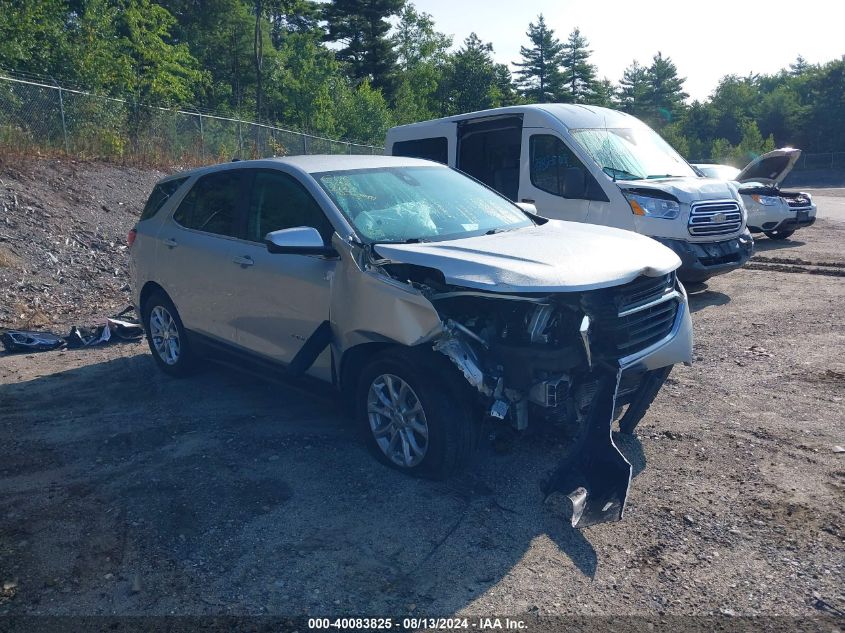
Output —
(160, 194)
(212, 203)
(278, 201)
(436, 149)
(489, 151)
(550, 158)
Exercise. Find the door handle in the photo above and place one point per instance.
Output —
(244, 260)
(171, 243)
(527, 201)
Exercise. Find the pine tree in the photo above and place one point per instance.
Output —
(665, 90)
(633, 89)
(471, 78)
(578, 73)
(539, 77)
(362, 27)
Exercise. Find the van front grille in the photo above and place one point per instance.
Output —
(715, 218)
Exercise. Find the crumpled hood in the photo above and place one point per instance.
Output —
(685, 189)
(554, 257)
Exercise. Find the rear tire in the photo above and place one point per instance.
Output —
(166, 335)
(410, 416)
(778, 235)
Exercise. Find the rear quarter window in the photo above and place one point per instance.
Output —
(161, 193)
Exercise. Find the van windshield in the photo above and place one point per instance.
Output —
(635, 153)
(418, 204)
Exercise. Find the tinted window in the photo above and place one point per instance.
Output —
(161, 193)
(212, 204)
(279, 202)
(428, 148)
(550, 158)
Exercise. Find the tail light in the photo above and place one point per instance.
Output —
(130, 238)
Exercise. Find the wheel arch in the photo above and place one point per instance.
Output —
(149, 288)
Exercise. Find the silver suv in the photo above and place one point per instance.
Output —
(428, 300)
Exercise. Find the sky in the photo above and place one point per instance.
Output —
(719, 38)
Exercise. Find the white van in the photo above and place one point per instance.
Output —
(596, 165)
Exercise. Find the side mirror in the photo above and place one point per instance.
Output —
(300, 240)
(574, 182)
(527, 207)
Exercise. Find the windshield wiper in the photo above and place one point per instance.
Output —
(653, 176)
(501, 229)
(622, 173)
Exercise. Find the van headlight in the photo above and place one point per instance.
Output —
(652, 207)
(766, 201)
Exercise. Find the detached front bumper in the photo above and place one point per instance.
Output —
(702, 260)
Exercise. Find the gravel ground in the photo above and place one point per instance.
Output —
(123, 491)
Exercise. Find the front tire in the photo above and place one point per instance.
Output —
(643, 397)
(778, 235)
(410, 417)
(166, 335)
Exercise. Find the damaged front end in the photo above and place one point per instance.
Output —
(575, 359)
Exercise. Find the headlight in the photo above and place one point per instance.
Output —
(766, 201)
(652, 207)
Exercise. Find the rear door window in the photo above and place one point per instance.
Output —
(161, 194)
(436, 149)
(213, 203)
(278, 201)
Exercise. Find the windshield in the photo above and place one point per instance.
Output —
(720, 172)
(632, 153)
(418, 204)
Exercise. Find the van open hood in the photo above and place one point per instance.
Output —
(553, 257)
(770, 168)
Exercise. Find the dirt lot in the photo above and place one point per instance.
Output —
(123, 491)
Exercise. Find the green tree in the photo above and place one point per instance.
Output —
(162, 71)
(362, 27)
(665, 97)
(539, 77)
(578, 73)
(362, 113)
(422, 55)
(33, 37)
(603, 94)
(470, 81)
(633, 89)
(304, 81)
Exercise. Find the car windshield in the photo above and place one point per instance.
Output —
(418, 204)
(720, 172)
(635, 153)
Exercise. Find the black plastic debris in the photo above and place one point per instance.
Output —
(594, 474)
(119, 327)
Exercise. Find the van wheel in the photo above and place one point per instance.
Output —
(778, 235)
(410, 417)
(166, 335)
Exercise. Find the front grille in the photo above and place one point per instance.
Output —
(798, 203)
(715, 218)
(648, 311)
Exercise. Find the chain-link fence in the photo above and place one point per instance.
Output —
(36, 116)
(828, 160)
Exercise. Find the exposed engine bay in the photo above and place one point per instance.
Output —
(795, 199)
(567, 358)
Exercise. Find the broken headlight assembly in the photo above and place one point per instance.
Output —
(652, 207)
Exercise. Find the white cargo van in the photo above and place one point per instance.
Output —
(596, 165)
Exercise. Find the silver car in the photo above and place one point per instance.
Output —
(429, 301)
